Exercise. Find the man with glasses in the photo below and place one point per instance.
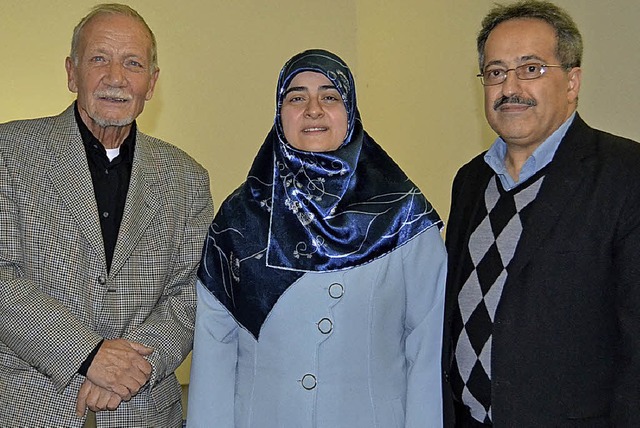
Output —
(542, 323)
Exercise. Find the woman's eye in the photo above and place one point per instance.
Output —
(333, 97)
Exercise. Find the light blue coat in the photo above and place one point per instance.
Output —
(354, 348)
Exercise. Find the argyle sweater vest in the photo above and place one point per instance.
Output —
(492, 245)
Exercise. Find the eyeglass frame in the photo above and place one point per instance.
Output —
(543, 69)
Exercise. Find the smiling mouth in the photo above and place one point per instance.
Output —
(114, 100)
(513, 107)
(315, 129)
(514, 102)
(113, 96)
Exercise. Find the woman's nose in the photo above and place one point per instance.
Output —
(314, 109)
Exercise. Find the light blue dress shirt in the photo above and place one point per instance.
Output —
(495, 157)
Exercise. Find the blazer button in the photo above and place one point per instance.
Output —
(336, 290)
(325, 325)
(308, 381)
(102, 280)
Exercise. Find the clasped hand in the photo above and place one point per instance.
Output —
(116, 374)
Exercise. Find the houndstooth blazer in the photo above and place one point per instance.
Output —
(57, 300)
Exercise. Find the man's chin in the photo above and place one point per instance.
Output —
(107, 122)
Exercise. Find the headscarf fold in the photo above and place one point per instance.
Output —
(303, 211)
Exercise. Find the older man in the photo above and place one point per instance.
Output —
(543, 304)
(102, 228)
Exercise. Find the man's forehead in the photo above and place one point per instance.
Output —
(102, 31)
(114, 24)
(521, 40)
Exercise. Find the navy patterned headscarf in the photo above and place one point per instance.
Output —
(333, 68)
(302, 211)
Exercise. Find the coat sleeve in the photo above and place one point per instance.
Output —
(33, 325)
(213, 365)
(626, 265)
(169, 327)
(424, 262)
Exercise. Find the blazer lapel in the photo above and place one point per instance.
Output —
(71, 178)
(568, 169)
(141, 205)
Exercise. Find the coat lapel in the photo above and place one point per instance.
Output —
(569, 168)
(71, 178)
(142, 202)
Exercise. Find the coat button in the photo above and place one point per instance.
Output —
(336, 290)
(102, 280)
(325, 325)
(308, 381)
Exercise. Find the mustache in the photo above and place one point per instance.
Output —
(514, 99)
(113, 93)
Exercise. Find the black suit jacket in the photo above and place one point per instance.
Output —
(566, 338)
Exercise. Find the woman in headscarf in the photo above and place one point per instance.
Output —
(321, 287)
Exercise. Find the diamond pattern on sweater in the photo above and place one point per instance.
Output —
(492, 246)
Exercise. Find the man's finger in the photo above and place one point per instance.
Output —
(125, 391)
(113, 402)
(81, 401)
(141, 349)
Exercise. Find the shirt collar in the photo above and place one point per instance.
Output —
(495, 156)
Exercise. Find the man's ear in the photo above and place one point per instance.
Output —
(152, 84)
(573, 87)
(70, 66)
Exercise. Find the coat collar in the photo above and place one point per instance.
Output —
(70, 176)
(572, 164)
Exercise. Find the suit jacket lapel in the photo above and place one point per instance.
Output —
(142, 202)
(70, 176)
(568, 169)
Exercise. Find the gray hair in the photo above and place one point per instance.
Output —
(569, 40)
(112, 9)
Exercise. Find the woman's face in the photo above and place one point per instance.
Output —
(313, 115)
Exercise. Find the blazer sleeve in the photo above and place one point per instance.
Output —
(169, 327)
(424, 261)
(213, 364)
(34, 325)
(626, 265)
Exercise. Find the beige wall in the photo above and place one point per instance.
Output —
(414, 63)
(420, 98)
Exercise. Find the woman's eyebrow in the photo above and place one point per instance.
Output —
(305, 89)
(296, 89)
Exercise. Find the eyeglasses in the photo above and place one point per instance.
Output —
(495, 76)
